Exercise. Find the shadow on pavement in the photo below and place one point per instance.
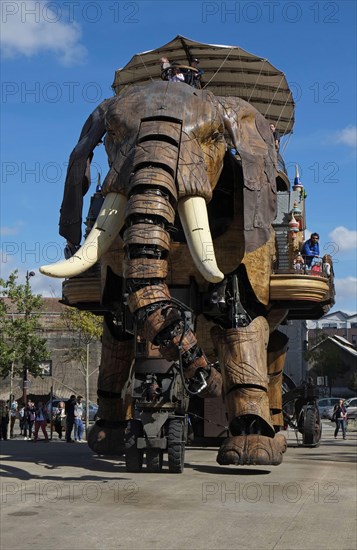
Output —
(54, 456)
(229, 470)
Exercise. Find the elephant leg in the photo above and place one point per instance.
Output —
(242, 355)
(164, 326)
(107, 435)
(277, 349)
(174, 340)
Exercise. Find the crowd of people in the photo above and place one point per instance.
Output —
(309, 259)
(66, 419)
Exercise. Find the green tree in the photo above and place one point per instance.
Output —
(326, 360)
(353, 382)
(85, 329)
(22, 348)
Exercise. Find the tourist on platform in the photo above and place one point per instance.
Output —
(311, 249)
(327, 267)
(196, 74)
(177, 75)
(276, 136)
(298, 262)
(165, 66)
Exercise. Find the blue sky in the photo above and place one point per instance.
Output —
(58, 63)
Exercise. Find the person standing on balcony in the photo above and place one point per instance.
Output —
(276, 136)
(298, 263)
(310, 248)
(165, 68)
(327, 266)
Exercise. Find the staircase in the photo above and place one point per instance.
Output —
(282, 248)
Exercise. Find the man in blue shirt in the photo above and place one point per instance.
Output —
(311, 248)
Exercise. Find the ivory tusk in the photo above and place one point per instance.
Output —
(107, 226)
(194, 219)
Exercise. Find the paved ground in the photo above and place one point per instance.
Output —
(61, 496)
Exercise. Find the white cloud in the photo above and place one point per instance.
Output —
(6, 264)
(46, 286)
(346, 294)
(344, 238)
(32, 27)
(40, 284)
(347, 136)
(14, 230)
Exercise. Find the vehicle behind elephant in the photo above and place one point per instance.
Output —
(301, 413)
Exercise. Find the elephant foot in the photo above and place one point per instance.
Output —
(107, 437)
(252, 450)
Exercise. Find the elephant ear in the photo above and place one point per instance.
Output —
(78, 173)
(253, 139)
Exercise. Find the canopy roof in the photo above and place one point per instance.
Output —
(229, 71)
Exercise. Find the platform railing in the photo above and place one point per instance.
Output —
(317, 268)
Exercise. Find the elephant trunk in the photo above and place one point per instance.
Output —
(150, 211)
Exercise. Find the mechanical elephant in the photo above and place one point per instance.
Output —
(190, 195)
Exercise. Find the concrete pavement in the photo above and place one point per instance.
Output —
(57, 495)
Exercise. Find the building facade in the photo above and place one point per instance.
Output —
(336, 323)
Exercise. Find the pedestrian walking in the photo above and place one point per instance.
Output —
(69, 409)
(60, 419)
(78, 422)
(22, 418)
(339, 415)
(40, 421)
(4, 420)
(13, 415)
(30, 413)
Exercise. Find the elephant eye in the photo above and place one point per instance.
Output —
(216, 136)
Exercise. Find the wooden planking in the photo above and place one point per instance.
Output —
(142, 233)
(298, 287)
(160, 152)
(150, 204)
(145, 268)
(160, 128)
(154, 177)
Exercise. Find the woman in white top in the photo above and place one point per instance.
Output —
(177, 75)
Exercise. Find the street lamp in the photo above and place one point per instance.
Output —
(25, 381)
